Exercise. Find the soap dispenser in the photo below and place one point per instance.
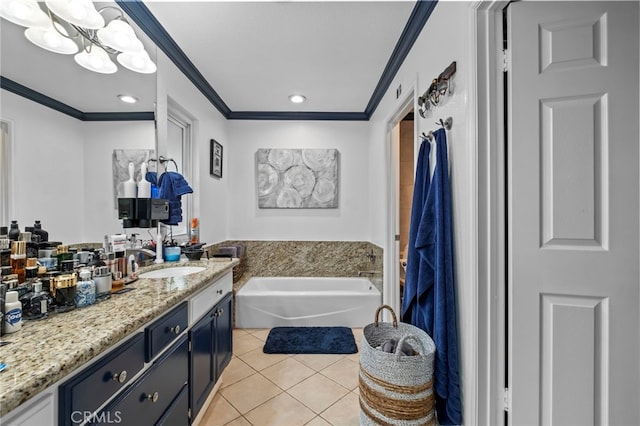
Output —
(129, 187)
(144, 186)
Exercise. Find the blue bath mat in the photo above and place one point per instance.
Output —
(310, 340)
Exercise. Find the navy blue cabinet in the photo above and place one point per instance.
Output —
(89, 389)
(175, 413)
(223, 334)
(162, 332)
(211, 350)
(155, 396)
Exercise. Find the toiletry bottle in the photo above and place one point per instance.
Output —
(65, 291)
(19, 259)
(13, 313)
(37, 229)
(85, 290)
(144, 186)
(39, 303)
(195, 231)
(14, 231)
(25, 291)
(129, 187)
(102, 279)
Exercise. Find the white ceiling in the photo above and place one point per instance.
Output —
(253, 54)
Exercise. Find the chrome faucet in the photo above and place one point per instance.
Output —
(143, 256)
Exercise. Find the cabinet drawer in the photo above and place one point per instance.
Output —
(178, 412)
(89, 389)
(203, 301)
(165, 329)
(145, 401)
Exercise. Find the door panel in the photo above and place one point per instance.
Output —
(573, 213)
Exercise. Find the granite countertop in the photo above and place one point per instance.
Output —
(47, 350)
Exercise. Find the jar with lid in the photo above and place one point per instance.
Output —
(65, 291)
(102, 279)
(85, 290)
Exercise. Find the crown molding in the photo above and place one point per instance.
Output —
(25, 92)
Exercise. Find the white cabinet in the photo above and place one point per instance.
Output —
(40, 411)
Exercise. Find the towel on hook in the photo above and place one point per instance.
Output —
(151, 177)
(432, 304)
(172, 186)
(415, 287)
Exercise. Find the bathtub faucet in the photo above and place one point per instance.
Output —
(361, 273)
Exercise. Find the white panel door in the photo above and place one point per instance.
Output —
(573, 197)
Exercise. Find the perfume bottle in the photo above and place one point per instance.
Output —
(39, 303)
(19, 259)
(85, 290)
(102, 279)
(65, 291)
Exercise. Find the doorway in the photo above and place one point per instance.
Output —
(406, 177)
(401, 130)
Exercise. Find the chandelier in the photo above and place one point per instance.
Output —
(75, 27)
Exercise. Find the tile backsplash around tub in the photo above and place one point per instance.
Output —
(310, 258)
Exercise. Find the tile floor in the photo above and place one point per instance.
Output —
(285, 390)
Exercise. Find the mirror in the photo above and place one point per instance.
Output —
(60, 163)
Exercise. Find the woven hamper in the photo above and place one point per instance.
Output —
(396, 389)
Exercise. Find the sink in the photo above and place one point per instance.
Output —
(177, 271)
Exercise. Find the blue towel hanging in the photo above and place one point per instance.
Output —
(414, 287)
(172, 186)
(431, 304)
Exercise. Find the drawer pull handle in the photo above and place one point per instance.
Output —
(153, 397)
(220, 291)
(175, 330)
(120, 377)
(220, 312)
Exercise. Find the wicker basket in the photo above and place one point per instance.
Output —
(396, 389)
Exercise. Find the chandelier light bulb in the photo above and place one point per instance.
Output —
(52, 39)
(78, 12)
(25, 13)
(96, 60)
(137, 62)
(19, 10)
(120, 36)
(49, 39)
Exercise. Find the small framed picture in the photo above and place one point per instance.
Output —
(215, 159)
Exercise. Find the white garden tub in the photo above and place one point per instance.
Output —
(265, 302)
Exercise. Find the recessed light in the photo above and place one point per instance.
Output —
(297, 99)
(128, 99)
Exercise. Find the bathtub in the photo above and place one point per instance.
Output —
(265, 302)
